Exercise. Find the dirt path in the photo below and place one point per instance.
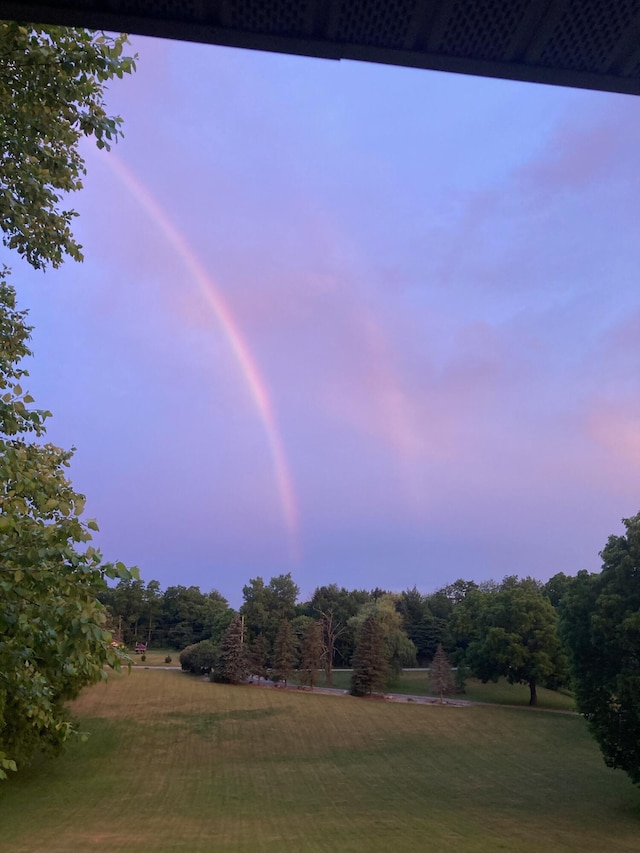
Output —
(386, 697)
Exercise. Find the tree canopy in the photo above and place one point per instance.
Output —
(512, 632)
(53, 636)
(600, 624)
(52, 88)
(266, 605)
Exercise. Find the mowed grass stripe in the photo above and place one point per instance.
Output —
(175, 763)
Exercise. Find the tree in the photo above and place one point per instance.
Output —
(53, 636)
(128, 605)
(330, 631)
(52, 85)
(440, 675)
(600, 625)
(232, 661)
(189, 616)
(399, 649)
(336, 605)
(266, 605)
(425, 630)
(514, 635)
(258, 657)
(556, 587)
(216, 615)
(152, 609)
(311, 653)
(369, 660)
(284, 652)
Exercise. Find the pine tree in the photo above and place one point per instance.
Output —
(258, 655)
(440, 675)
(369, 660)
(311, 653)
(232, 662)
(284, 652)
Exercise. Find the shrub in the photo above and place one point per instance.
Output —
(143, 658)
(167, 659)
(199, 658)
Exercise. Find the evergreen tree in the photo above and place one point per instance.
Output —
(232, 662)
(398, 648)
(284, 652)
(369, 660)
(258, 656)
(440, 675)
(311, 653)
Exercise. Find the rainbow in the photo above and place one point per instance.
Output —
(250, 371)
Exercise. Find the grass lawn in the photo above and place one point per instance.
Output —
(501, 693)
(176, 763)
(156, 657)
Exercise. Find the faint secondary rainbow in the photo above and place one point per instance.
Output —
(254, 381)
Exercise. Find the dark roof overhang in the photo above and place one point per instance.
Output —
(591, 44)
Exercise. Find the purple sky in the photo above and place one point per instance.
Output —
(433, 318)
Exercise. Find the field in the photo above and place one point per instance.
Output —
(175, 763)
(155, 657)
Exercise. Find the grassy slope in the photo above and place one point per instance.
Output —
(175, 763)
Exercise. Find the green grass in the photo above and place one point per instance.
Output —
(175, 763)
(501, 693)
(155, 657)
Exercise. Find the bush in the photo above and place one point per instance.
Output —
(143, 658)
(167, 659)
(199, 658)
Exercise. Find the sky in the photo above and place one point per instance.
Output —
(374, 326)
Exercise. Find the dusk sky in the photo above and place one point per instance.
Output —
(371, 325)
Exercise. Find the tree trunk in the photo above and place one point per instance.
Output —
(532, 689)
(328, 672)
(329, 645)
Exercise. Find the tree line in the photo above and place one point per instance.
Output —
(493, 629)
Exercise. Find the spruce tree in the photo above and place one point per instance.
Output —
(284, 652)
(369, 660)
(311, 653)
(258, 655)
(232, 662)
(440, 675)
